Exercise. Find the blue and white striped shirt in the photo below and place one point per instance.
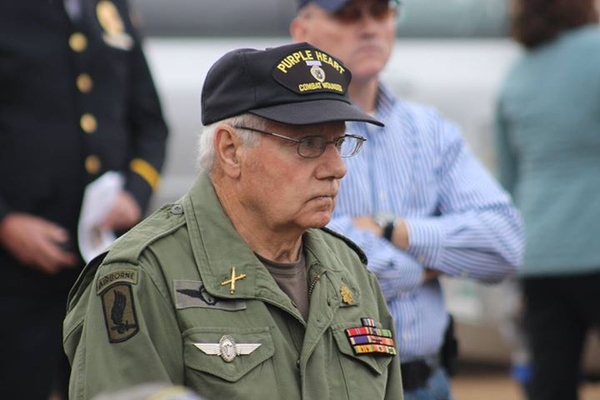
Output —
(460, 221)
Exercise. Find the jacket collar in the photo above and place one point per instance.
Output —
(218, 248)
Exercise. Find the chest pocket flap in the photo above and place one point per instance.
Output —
(228, 353)
(376, 362)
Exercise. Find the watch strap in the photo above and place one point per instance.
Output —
(388, 231)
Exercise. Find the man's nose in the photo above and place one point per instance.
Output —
(334, 161)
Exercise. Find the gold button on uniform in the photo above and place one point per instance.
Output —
(84, 83)
(88, 123)
(77, 42)
(92, 164)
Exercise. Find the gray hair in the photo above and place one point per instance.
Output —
(206, 149)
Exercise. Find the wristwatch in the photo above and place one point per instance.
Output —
(386, 221)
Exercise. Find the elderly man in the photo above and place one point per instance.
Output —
(236, 290)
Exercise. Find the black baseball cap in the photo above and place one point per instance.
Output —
(329, 5)
(332, 6)
(296, 84)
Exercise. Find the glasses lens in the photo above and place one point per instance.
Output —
(348, 14)
(380, 10)
(314, 146)
(311, 146)
(348, 146)
(352, 13)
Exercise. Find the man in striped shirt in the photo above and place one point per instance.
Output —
(415, 199)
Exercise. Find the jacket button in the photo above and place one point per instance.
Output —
(88, 123)
(92, 164)
(84, 83)
(177, 209)
(298, 363)
(77, 42)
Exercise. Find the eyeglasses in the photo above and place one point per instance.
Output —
(314, 146)
(353, 11)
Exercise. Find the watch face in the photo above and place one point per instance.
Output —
(382, 218)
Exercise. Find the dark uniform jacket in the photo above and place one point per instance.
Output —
(76, 100)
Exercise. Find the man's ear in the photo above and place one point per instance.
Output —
(298, 30)
(227, 147)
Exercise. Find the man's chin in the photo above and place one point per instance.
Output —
(321, 220)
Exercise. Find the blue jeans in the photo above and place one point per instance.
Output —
(438, 388)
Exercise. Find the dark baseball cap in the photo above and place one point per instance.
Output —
(296, 84)
(329, 5)
(334, 5)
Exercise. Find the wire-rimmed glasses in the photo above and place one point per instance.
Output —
(313, 146)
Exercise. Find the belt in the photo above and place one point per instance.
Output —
(415, 374)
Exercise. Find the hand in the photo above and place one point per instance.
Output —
(430, 274)
(367, 223)
(124, 214)
(36, 242)
(399, 235)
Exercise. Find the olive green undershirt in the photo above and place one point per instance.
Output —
(292, 279)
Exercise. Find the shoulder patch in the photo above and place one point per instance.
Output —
(350, 243)
(119, 313)
(129, 276)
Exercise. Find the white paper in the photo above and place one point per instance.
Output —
(98, 199)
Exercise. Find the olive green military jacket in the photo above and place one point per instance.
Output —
(182, 298)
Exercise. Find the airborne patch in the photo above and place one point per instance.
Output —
(119, 313)
(120, 276)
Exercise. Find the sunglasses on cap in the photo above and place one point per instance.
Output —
(353, 11)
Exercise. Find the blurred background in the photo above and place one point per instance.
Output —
(451, 54)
